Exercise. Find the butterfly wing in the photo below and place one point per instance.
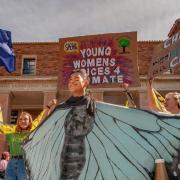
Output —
(43, 148)
(125, 142)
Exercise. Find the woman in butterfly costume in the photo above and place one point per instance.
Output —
(84, 141)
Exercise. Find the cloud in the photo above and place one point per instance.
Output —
(49, 20)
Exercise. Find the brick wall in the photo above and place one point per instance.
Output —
(145, 52)
(47, 58)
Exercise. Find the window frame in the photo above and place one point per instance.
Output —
(24, 57)
(15, 117)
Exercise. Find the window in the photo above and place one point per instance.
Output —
(14, 116)
(29, 66)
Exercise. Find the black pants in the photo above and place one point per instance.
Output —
(2, 174)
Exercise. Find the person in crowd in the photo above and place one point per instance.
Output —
(169, 104)
(3, 164)
(130, 101)
(77, 125)
(15, 134)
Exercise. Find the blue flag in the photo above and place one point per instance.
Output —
(7, 57)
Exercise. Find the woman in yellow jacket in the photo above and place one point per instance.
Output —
(170, 104)
(15, 134)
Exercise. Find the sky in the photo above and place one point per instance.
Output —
(49, 20)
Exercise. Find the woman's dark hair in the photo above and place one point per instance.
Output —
(5, 155)
(82, 73)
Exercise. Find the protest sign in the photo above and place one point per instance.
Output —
(109, 59)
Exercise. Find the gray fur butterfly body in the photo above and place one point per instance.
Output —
(78, 124)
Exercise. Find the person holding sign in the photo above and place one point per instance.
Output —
(170, 104)
(130, 101)
(15, 134)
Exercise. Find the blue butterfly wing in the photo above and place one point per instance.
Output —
(43, 148)
(125, 142)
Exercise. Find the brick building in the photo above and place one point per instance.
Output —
(34, 82)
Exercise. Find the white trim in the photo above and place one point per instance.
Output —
(159, 161)
(29, 78)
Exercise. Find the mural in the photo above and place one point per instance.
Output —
(109, 59)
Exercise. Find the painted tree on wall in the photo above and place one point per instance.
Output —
(123, 43)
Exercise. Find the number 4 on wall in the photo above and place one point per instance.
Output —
(117, 70)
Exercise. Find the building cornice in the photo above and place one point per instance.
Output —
(150, 42)
(163, 77)
(28, 78)
(50, 84)
(15, 83)
(36, 43)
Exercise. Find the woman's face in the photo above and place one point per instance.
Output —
(170, 102)
(76, 83)
(7, 157)
(24, 121)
